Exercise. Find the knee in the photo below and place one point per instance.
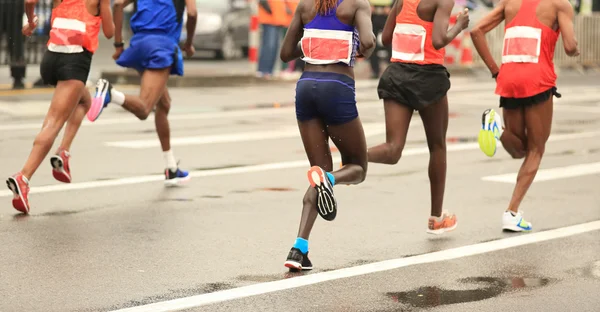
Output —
(436, 146)
(394, 153)
(164, 106)
(310, 198)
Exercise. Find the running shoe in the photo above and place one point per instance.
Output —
(60, 166)
(440, 225)
(515, 223)
(20, 189)
(491, 130)
(326, 204)
(296, 260)
(174, 178)
(100, 100)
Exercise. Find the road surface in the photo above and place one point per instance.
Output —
(116, 238)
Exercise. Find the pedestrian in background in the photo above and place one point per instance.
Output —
(380, 9)
(273, 17)
(288, 70)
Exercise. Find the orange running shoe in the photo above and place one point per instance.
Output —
(439, 225)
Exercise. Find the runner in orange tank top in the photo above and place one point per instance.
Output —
(526, 82)
(417, 80)
(66, 65)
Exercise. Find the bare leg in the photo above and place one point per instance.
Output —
(74, 122)
(162, 122)
(397, 121)
(514, 138)
(435, 122)
(65, 98)
(153, 85)
(350, 140)
(538, 122)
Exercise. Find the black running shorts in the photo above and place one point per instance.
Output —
(416, 86)
(513, 103)
(57, 67)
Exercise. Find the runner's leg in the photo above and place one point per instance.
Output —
(397, 121)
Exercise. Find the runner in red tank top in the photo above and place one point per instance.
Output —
(526, 82)
(66, 65)
(417, 80)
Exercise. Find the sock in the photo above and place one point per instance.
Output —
(301, 244)
(117, 97)
(27, 182)
(170, 161)
(331, 178)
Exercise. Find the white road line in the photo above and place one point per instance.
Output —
(311, 279)
(551, 174)
(245, 136)
(257, 168)
(130, 119)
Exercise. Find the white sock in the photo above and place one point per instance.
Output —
(170, 161)
(117, 97)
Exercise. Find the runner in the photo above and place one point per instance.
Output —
(417, 80)
(66, 65)
(526, 82)
(154, 52)
(329, 32)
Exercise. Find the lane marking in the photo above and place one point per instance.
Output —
(257, 168)
(130, 119)
(245, 136)
(316, 278)
(550, 174)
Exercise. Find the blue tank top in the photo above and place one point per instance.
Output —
(158, 17)
(326, 27)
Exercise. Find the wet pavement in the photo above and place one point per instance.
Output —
(116, 238)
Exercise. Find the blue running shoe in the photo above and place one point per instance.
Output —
(174, 178)
(100, 100)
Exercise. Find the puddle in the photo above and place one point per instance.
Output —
(264, 278)
(590, 271)
(490, 287)
(176, 200)
(177, 293)
(276, 189)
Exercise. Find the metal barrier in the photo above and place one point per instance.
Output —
(587, 32)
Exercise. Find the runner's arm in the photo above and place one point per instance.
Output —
(364, 26)
(108, 27)
(565, 23)
(190, 25)
(118, 7)
(489, 22)
(390, 24)
(290, 49)
(441, 36)
(30, 10)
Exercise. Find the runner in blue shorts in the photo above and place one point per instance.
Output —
(154, 52)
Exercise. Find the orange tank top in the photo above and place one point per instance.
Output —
(73, 28)
(412, 38)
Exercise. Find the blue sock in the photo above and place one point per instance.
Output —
(331, 178)
(301, 244)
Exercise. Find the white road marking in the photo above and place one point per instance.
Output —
(245, 136)
(551, 174)
(311, 279)
(257, 168)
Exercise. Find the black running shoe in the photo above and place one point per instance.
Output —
(326, 203)
(296, 260)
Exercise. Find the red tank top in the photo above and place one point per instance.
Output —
(73, 28)
(527, 55)
(412, 38)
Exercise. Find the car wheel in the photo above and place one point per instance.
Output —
(228, 49)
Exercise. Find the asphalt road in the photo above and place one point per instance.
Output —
(116, 238)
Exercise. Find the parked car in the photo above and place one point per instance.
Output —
(222, 27)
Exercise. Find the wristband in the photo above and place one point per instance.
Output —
(118, 44)
(494, 76)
